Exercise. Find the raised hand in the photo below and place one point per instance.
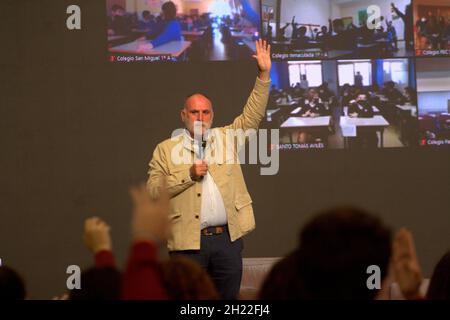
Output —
(96, 235)
(150, 217)
(198, 170)
(262, 57)
(406, 265)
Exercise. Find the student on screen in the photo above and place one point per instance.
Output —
(392, 36)
(433, 33)
(274, 95)
(269, 34)
(361, 107)
(325, 35)
(342, 38)
(410, 96)
(148, 23)
(280, 36)
(392, 93)
(299, 38)
(313, 106)
(443, 29)
(324, 92)
(440, 37)
(327, 96)
(408, 21)
(421, 25)
(284, 99)
(171, 30)
(359, 80)
(118, 23)
(346, 95)
(304, 84)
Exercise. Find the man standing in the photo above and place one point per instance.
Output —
(407, 18)
(359, 80)
(210, 206)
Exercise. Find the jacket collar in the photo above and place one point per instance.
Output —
(190, 144)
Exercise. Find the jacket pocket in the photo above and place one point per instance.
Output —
(176, 235)
(225, 168)
(175, 215)
(244, 212)
(180, 173)
(178, 169)
(242, 202)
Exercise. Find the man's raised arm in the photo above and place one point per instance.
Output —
(255, 108)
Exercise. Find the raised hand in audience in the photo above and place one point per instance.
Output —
(64, 296)
(150, 216)
(393, 7)
(96, 235)
(406, 265)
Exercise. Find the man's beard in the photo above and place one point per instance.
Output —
(205, 126)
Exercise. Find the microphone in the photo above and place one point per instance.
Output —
(198, 137)
(201, 149)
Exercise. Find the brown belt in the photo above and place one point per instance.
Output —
(213, 230)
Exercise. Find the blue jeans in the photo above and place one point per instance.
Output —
(222, 259)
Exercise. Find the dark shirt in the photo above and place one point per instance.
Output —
(121, 25)
(171, 32)
(346, 98)
(362, 108)
(318, 107)
(393, 95)
(358, 81)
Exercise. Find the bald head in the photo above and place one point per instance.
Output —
(197, 100)
(197, 107)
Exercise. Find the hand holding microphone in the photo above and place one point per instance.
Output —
(200, 167)
(198, 170)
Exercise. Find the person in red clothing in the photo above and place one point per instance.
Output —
(103, 281)
(142, 278)
(150, 226)
(97, 239)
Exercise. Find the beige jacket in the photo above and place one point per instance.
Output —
(226, 171)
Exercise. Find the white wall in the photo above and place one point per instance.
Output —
(351, 8)
(433, 101)
(305, 11)
(433, 81)
(153, 6)
(319, 11)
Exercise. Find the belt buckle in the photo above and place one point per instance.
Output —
(217, 230)
(206, 232)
